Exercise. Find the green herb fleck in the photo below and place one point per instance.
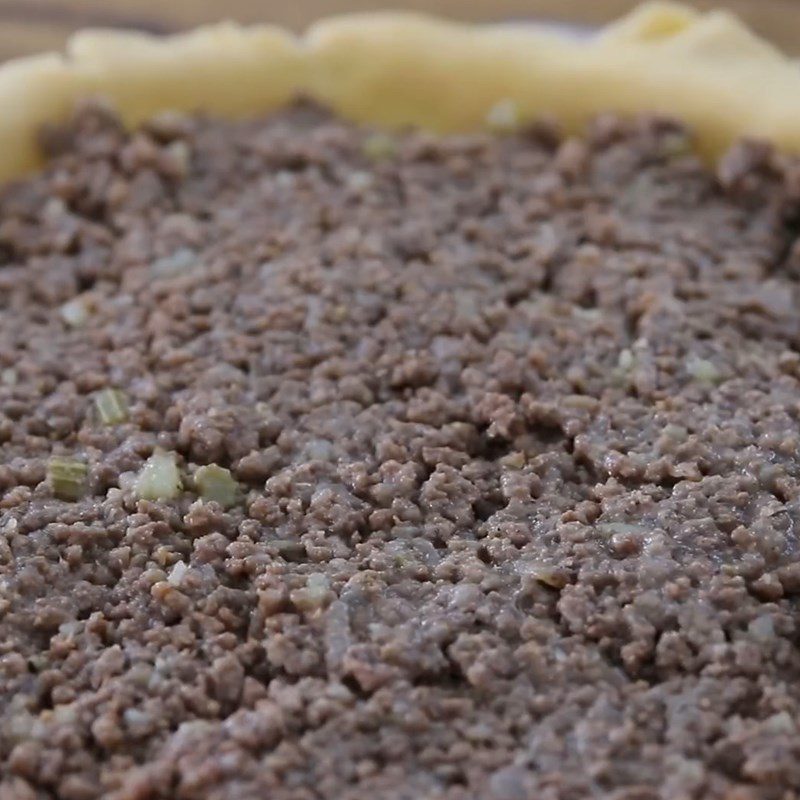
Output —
(67, 477)
(216, 483)
(675, 145)
(112, 406)
(378, 146)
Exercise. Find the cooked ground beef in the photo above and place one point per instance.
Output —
(515, 427)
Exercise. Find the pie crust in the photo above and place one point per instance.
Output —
(407, 69)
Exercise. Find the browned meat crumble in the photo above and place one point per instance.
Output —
(504, 438)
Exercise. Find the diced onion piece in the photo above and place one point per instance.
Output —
(703, 370)
(67, 477)
(174, 264)
(514, 460)
(676, 432)
(112, 406)
(177, 572)
(216, 483)
(620, 527)
(359, 181)
(315, 594)
(159, 478)
(75, 312)
(178, 157)
(553, 577)
(626, 360)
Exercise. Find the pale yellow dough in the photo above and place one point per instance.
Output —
(407, 69)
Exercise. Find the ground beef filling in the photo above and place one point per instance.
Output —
(509, 433)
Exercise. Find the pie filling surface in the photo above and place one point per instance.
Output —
(339, 464)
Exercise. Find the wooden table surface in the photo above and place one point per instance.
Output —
(35, 25)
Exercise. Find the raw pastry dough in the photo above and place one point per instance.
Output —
(408, 69)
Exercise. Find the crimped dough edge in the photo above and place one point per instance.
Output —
(402, 69)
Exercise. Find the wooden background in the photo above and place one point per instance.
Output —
(34, 25)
